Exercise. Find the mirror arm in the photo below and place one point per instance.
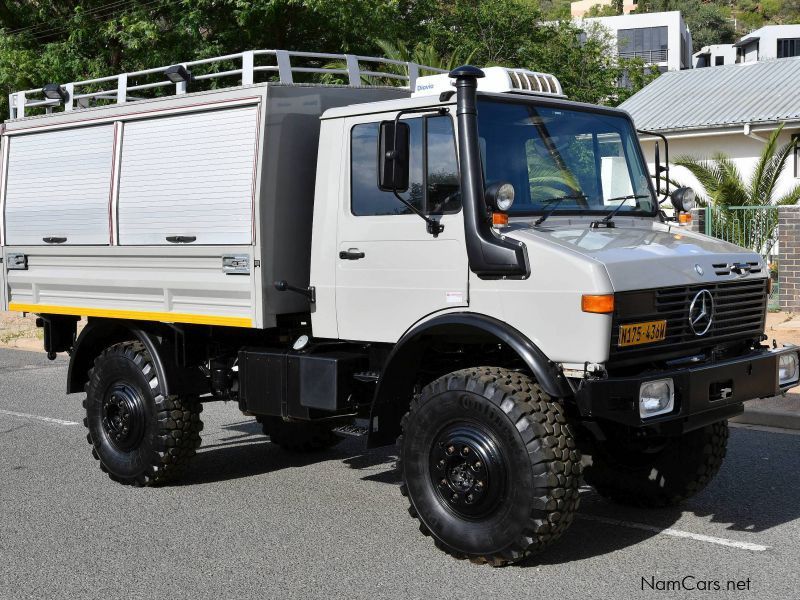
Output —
(433, 226)
(659, 168)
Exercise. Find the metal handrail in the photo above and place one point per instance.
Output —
(383, 69)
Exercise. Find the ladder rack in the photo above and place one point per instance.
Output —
(246, 68)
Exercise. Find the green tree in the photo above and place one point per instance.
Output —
(709, 22)
(45, 41)
(725, 187)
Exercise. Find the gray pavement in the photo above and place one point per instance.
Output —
(250, 521)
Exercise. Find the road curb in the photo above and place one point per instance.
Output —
(769, 418)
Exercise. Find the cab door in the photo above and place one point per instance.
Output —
(390, 271)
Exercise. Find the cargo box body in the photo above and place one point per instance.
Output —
(184, 209)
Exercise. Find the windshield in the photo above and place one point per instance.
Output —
(563, 160)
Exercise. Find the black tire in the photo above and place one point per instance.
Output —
(528, 465)
(677, 471)
(140, 436)
(299, 436)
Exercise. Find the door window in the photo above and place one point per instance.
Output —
(433, 170)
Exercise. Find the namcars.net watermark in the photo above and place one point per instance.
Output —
(690, 583)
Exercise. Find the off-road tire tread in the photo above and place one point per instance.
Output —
(543, 425)
(702, 451)
(179, 423)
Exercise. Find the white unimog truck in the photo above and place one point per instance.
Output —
(472, 264)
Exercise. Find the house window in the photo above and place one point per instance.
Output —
(647, 43)
(788, 47)
(719, 61)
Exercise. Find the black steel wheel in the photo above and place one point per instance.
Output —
(468, 469)
(139, 435)
(489, 465)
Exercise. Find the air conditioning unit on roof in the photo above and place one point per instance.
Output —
(498, 79)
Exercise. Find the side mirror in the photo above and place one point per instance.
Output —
(659, 168)
(393, 156)
(684, 199)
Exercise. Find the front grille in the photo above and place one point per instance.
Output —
(739, 313)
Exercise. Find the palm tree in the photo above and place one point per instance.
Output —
(425, 54)
(724, 187)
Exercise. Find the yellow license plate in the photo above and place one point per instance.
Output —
(642, 333)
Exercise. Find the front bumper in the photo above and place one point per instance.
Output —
(704, 393)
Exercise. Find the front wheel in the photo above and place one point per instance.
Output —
(489, 465)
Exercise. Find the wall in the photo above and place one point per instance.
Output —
(743, 150)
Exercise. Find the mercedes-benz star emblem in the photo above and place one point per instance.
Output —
(701, 312)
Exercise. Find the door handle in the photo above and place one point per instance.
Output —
(181, 239)
(54, 240)
(351, 254)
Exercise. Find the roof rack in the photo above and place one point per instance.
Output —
(246, 68)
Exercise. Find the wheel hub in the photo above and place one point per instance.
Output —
(123, 416)
(467, 470)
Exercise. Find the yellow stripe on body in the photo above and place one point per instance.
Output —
(137, 315)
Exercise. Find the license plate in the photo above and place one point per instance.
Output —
(642, 333)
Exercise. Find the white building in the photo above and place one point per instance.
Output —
(771, 41)
(660, 39)
(731, 109)
(581, 7)
(715, 55)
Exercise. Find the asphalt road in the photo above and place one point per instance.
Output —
(250, 521)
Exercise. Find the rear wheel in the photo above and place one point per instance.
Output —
(299, 436)
(489, 465)
(665, 475)
(139, 435)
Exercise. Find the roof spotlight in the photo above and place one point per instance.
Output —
(178, 74)
(53, 91)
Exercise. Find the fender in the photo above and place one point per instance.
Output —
(395, 386)
(100, 334)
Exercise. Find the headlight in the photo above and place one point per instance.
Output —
(684, 199)
(788, 368)
(500, 196)
(656, 398)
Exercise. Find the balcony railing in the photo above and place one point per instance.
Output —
(648, 56)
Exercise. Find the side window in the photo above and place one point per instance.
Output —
(366, 198)
(442, 181)
(433, 188)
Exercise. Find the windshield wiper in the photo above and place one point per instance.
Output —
(606, 221)
(556, 201)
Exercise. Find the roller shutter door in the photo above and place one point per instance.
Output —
(188, 178)
(59, 185)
